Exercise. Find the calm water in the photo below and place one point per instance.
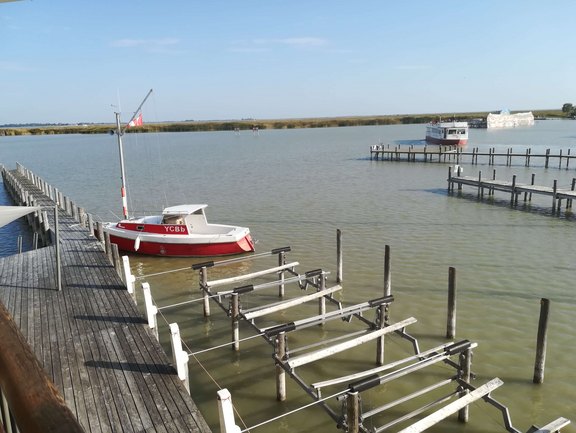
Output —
(296, 187)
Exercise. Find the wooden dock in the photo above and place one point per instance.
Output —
(459, 155)
(514, 188)
(89, 336)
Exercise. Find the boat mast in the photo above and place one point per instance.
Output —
(119, 134)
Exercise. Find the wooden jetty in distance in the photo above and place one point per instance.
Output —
(103, 364)
(514, 188)
(459, 155)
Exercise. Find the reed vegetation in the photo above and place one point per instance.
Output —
(248, 124)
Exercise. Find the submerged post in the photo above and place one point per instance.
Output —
(280, 351)
(465, 374)
(387, 282)
(281, 262)
(339, 255)
(353, 412)
(451, 322)
(235, 322)
(541, 341)
(204, 288)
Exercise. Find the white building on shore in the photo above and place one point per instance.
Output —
(506, 120)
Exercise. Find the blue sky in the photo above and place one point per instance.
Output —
(71, 61)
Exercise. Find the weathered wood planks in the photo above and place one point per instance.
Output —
(90, 338)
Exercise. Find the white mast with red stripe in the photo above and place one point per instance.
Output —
(120, 133)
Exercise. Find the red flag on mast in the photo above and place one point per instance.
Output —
(136, 122)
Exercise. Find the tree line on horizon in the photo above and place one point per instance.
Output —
(568, 110)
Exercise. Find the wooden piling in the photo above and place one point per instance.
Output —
(339, 256)
(203, 285)
(541, 341)
(513, 191)
(235, 322)
(281, 262)
(280, 351)
(466, 369)
(353, 412)
(554, 198)
(451, 321)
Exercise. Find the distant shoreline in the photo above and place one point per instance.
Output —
(249, 124)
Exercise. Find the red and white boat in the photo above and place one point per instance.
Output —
(180, 231)
(449, 133)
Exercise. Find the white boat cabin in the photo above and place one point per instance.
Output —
(191, 214)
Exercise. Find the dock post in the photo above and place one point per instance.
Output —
(465, 374)
(541, 341)
(281, 262)
(339, 256)
(560, 159)
(568, 159)
(450, 186)
(116, 258)
(180, 356)
(381, 316)
(108, 247)
(322, 300)
(554, 189)
(451, 321)
(100, 232)
(151, 309)
(513, 190)
(280, 351)
(129, 279)
(479, 183)
(57, 248)
(353, 412)
(387, 280)
(569, 202)
(235, 311)
(204, 288)
(226, 412)
(90, 225)
(547, 158)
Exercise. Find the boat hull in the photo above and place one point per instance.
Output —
(168, 249)
(447, 142)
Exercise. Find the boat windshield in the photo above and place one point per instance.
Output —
(173, 219)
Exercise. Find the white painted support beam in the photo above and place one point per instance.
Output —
(554, 426)
(453, 407)
(370, 335)
(231, 280)
(262, 311)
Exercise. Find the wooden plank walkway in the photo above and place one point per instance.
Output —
(90, 337)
